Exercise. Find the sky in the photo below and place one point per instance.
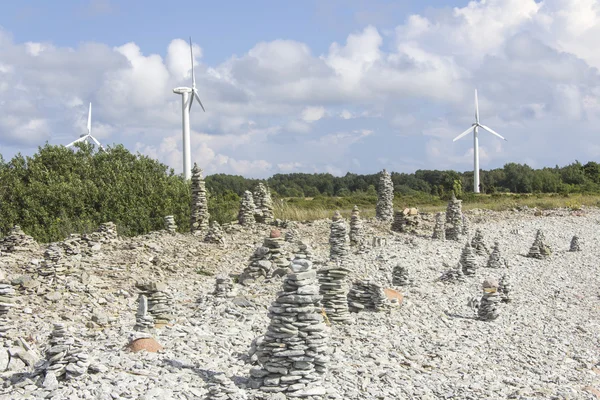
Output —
(313, 86)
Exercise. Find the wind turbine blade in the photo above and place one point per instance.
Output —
(463, 134)
(97, 142)
(81, 139)
(490, 130)
(198, 98)
(476, 108)
(192, 57)
(89, 125)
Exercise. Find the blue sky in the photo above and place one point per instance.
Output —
(313, 86)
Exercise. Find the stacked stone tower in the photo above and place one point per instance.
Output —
(338, 238)
(385, 198)
(247, 207)
(263, 204)
(199, 216)
(454, 220)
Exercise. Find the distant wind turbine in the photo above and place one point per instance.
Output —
(186, 101)
(474, 129)
(84, 137)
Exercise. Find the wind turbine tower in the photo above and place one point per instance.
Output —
(187, 99)
(89, 134)
(475, 128)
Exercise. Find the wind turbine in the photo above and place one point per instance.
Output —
(475, 128)
(83, 137)
(187, 99)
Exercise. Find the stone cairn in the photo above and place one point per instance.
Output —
(367, 295)
(52, 264)
(266, 258)
(575, 244)
(246, 214)
(356, 228)
(495, 260)
(17, 240)
(439, 232)
(400, 276)
(7, 301)
(291, 235)
(263, 204)
(478, 244)
(159, 301)
(144, 321)
(199, 209)
(505, 288)
(453, 274)
(454, 220)
(539, 249)
(384, 210)
(488, 305)
(466, 226)
(170, 224)
(65, 355)
(107, 232)
(467, 260)
(338, 238)
(333, 288)
(224, 287)
(220, 387)
(379, 241)
(214, 234)
(292, 352)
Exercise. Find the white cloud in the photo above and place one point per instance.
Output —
(312, 114)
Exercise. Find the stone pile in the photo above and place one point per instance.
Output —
(468, 260)
(453, 274)
(454, 220)
(356, 228)
(224, 287)
(505, 288)
(65, 355)
(488, 305)
(159, 301)
(575, 244)
(466, 226)
(367, 295)
(247, 207)
(52, 264)
(199, 208)
(303, 251)
(220, 387)
(266, 259)
(338, 238)
(291, 235)
(144, 322)
(214, 234)
(292, 353)
(439, 232)
(400, 276)
(333, 288)
(384, 210)
(478, 244)
(539, 249)
(170, 225)
(263, 204)
(107, 232)
(495, 260)
(72, 244)
(7, 301)
(379, 241)
(17, 240)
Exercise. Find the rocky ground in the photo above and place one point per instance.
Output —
(544, 345)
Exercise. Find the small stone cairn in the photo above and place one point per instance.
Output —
(266, 259)
(338, 238)
(356, 228)
(246, 213)
(263, 204)
(505, 288)
(107, 232)
(17, 240)
(199, 208)
(170, 224)
(453, 274)
(379, 241)
(495, 260)
(467, 260)
(159, 301)
(52, 264)
(7, 301)
(214, 234)
(454, 220)
(220, 387)
(478, 244)
(575, 244)
(65, 355)
(488, 305)
(333, 288)
(384, 210)
(144, 322)
(224, 287)
(367, 295)
(539, 249)
(400, 276)
(291, 235)
(439, 232)
(292, 353)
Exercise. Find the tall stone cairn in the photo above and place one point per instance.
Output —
(367, 295)
(505, 288)
(159, 301)
(65, 355)
(170, 225)
(384, 210)
(488, 305)
(356, 228)
(400, 276)
(199, 208)
(246, 213)
(539, 249)
(144, 321)
(439, 232)
(495, 260)
(575, 244)
(220, 387)
(478, 244)
(338, 238)
(292, 353)
(468, 261)
(454, 220)
(215, 234)
(264, 204)
(332, 286)
(7, 301)
(466, 226)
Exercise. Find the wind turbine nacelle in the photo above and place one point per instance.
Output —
(182, 90)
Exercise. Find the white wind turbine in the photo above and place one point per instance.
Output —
(474, 129)
(186, 101)
(84, 137)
